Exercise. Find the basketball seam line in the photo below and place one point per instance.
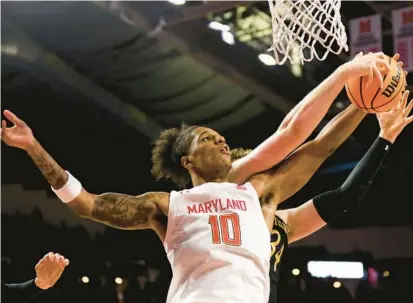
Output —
(361, 93)
(352, 97)
(386, 102)
(393, 97)
(372, 101)
(384, 79)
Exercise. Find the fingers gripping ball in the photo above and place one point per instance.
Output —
(372, 98)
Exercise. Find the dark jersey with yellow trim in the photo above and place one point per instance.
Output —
(279, 243)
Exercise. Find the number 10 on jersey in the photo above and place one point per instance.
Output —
(225, 229)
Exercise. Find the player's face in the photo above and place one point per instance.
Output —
(209, 154)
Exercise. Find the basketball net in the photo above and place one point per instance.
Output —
(304, 29)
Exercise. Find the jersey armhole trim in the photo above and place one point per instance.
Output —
(250, 186)
(287, 227)
(171, 212)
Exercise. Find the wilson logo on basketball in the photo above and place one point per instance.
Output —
(390, 89)
(373, 98)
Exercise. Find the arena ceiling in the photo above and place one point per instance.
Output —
(97, 81)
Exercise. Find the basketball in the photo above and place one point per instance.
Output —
(374, 99)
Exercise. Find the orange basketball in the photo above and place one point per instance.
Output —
(374, 99)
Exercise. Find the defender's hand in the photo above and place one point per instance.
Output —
(49, 269)
(19, 135)
(400, 63)
(394, 121)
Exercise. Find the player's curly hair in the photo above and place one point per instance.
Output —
(170, 147)
(238, 153)
(172, 144)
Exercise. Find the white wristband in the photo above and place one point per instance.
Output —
(70, 190)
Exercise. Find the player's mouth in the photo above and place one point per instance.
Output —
(224, 150)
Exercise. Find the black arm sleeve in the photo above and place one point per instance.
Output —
(331, 204)
(20, 292)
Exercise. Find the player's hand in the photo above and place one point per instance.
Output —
(49, 269)
(394, 121)
(372, 66)
(19, 135)
(400, 63)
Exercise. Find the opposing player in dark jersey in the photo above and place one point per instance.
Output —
(294, 224)
(279, 243)
(291, 225)
(301, 166)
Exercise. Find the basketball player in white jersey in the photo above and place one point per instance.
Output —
(214, 234)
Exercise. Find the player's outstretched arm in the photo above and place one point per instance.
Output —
(304, 119)
(314, 214)
(117, 210)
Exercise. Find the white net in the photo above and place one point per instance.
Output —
(303, 30)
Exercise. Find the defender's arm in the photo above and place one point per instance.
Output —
(319, 211)
(296, 171)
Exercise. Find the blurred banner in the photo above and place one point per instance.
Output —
(403, 35)
(365, 35)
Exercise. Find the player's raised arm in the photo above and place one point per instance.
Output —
(302, 121)
(117, 210)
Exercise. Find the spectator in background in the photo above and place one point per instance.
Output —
(48, 271)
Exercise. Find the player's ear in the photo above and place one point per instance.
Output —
(187, 162)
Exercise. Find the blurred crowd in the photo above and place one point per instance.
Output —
(130, 267)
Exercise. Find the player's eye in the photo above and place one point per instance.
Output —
(205, 139)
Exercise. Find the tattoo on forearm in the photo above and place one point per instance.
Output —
(123, 211)
(55, 175)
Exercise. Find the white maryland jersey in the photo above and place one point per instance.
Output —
(218, 245)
